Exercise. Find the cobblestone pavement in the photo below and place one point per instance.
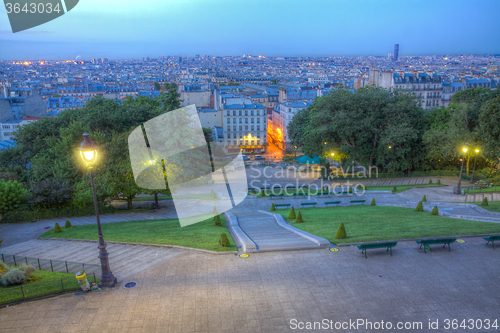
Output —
(266, 292)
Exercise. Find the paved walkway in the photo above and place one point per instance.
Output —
(125, 260)
(265, 232)
(270, 292)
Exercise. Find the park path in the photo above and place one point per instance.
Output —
(267, 235)
(125, 259)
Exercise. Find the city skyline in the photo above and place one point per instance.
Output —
(336, 28)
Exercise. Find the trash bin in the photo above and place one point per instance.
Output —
(82, 281)
(462, 191)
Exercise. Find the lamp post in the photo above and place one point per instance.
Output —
(88, 151)
(474, 169)
(462, 168)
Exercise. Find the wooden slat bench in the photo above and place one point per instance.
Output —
(282, 205)
(295, 195)
(443, 241)
(305, 204)
(388, 245)
(492, 239)
(276, 196)
(357, 201)
(332, 203)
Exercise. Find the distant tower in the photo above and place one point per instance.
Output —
(396, 52)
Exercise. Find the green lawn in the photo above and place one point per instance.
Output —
(203, 235)
(165, 197)
(46, 283)
(493, 206)
(485, 190)
(400, 188)
(290, 192)
(376, 223)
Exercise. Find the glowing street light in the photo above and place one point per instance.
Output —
(88, 151)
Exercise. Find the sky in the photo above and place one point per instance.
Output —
(121, 29)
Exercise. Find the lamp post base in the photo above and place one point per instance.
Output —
(108, 280)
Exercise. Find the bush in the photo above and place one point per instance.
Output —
(68, 224)
(273, 208)
(481, 184)
(420, 207)
(57, 228)
(439, 182)
(373, 202)
(298, 219)
(424, 199)
(13, 277)
(291, 214)
(223, 240)
(262, 193)
(28, 270)
(218, 221)
(3, 268)
(341, 234)
(430, 181)
(485, 201)
(435, 211)
(216, 213)
(51, 193)
(394, 189)
(12, 195)
(214, 196)
(8, 176)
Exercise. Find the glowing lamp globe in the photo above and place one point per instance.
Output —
(88, 150)
(464, 149)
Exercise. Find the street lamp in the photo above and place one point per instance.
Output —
(461, 169)
(474, 169)
(88, 151)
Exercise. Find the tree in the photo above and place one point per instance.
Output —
(157, 86)
(489, 128)
(115, 175)
(341, 233)
(12, 195)
(51, 193)
(372, 126)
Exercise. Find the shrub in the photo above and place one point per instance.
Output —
(218, 221)
(420, 207)
(430, 181)
(373, 202)
(262, 193)
(435, 211)
(214, 196)
(298, 219)
(51, 193)
(439, 182)
(3, 267)
(57, 228)
(1, 240)
(341, 234)
(291, 214)
(216, 213)
(13, 277)
(8, 176)
(394, 189)
(424, 199)
(28, 270)
(12, 195)
(485, 201)
(68, 224)
(273, 208)
(481, 184)
(223, 240)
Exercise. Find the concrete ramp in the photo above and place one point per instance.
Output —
(262, 232)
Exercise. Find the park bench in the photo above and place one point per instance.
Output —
(443, 241)
(357, 201)
(295, 195)
(388, 245)
(332, 203)
(282, 205)
(492, 239)
(305, 204)
(290, 187)
(276, 196)
(324, 193)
